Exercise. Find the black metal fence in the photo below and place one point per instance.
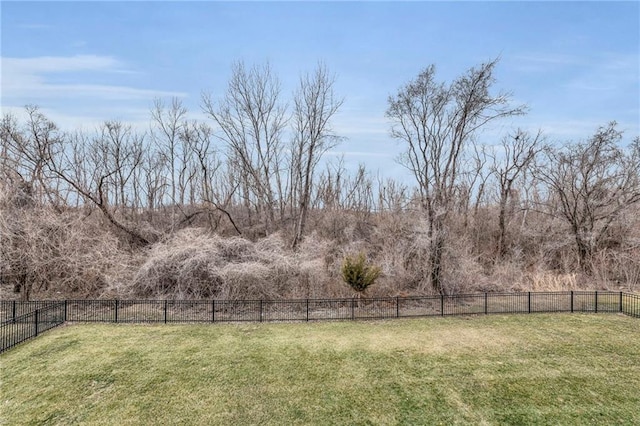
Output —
(20, 321)
(631, 304)
(26, 326)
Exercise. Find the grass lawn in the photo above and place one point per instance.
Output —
(520, 369)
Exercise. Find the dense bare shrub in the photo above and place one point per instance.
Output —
(462, 273)
(400, 245)
(195, 264)
(549, 281)
(316, 280)
(50, 255)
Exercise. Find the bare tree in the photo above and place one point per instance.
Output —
(591, 184)
(215, 194)
(473, 181)
(339, 190)
(168, 123)
(71, 163)
(314, 105)
(393, 196)
(252, 120)
(518, 153)
(437, 121)
(28, 147)
(121, 150)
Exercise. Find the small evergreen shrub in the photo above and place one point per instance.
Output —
(358, 273)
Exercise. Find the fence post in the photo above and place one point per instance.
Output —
(529, 301)
(571, 301)
(65, 310)
(596, 302)
(260, 310)
(13, 314)
(116, 316)
(165, 311)
(620, 301)
(213, 310)
(353, 308)
(307, 309)
(442, 304)
(486, 311)
(397, 307)
(36, 320)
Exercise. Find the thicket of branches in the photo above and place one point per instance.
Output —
(244, 205)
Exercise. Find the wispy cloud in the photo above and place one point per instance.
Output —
(95, 91)
(48, 64)
(547, 58)
(575, 130)
(609, 72)
(87, 120)
(542, 62)
(349, 123)
(339, 153)
(28, 79)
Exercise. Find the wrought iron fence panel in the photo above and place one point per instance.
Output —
(29, 325)
(631, 304)
(420, 306)
(584, 301)
(285, 310)
(22, 320)
(136, 311)
(331, 309)
(507, 303)
(91, 310)
(237, 310)
(550, 301)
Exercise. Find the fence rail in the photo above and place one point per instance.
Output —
(20, 321)
(26, 326)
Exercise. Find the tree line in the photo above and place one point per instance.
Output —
(257, 166)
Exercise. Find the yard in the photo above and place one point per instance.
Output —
(496, 369)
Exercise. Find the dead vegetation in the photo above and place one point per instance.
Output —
(74, 253)
(243, 206)
(46, 254)
(195, 264)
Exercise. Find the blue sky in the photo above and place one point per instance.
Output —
(575, 64)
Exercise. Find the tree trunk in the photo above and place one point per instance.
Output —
(304, 208)
(502, 228)
(435, 263)
(436, 247)
(584, 254)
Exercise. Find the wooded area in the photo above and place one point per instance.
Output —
(245, 204)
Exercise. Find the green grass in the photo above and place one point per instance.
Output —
(520, 369)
